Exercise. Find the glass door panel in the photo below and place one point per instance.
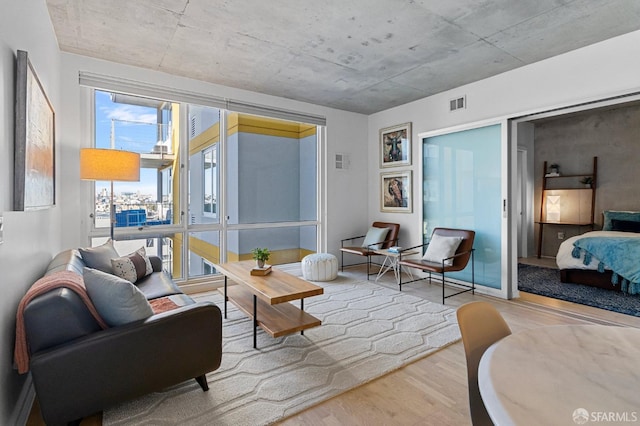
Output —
(462, 189)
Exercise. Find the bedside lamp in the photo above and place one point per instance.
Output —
(553, 208)
(112, 165)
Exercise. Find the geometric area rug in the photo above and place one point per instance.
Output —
(367, 331)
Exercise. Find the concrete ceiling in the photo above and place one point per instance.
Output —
(357, 55)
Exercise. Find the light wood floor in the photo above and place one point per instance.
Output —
(433, 390)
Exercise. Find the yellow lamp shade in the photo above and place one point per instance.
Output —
(109, 164)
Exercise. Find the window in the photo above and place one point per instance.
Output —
(259, 174)
(144, 126)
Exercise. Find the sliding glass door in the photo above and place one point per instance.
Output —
(462, 187)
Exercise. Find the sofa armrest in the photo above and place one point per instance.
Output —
(156, 263)
(114, 365)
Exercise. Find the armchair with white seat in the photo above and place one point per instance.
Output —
(381, 235)
(448, 250)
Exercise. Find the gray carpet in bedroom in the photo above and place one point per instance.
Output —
(546, 282)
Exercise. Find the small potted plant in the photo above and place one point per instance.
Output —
(554, 170)
(587, 181)
(261, 255)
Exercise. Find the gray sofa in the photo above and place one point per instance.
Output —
(79, 369)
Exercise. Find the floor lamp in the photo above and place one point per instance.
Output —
(112, 165)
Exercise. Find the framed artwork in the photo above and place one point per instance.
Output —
(34, 145)
(395, 145)
(395, 192)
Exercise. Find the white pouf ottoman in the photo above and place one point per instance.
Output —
(320, 267)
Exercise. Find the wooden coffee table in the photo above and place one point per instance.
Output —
(264, 298)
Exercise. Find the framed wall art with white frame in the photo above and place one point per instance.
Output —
(395, 145)
(395, 192)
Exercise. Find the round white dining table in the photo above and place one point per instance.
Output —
(563, 375)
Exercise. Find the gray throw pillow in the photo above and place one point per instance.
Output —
(441, 248)
(117, 300)
(99, 257)
(375, 235)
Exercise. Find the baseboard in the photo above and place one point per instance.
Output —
(23, 406)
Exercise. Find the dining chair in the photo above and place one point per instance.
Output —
(481, 325)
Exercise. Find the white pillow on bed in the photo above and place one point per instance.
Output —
(441, 247)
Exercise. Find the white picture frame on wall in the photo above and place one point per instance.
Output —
(395, 192)
(395, 146)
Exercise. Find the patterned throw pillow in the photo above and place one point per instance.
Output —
(133, 266)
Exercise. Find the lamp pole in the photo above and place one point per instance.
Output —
(112, 213)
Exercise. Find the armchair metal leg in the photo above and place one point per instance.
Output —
(368, 266)
(443, 281)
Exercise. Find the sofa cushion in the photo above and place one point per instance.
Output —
(99, 257)
(158, 284)
(133, 266)
(117, 300)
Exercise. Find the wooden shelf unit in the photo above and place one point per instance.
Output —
(563, 185)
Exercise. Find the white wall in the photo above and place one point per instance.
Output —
(598, 71)
(30, 238)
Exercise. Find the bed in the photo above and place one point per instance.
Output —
(618, 245)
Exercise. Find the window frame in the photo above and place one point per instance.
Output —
(89, 83)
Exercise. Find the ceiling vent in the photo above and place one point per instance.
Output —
(342, 161)
(458, 103)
